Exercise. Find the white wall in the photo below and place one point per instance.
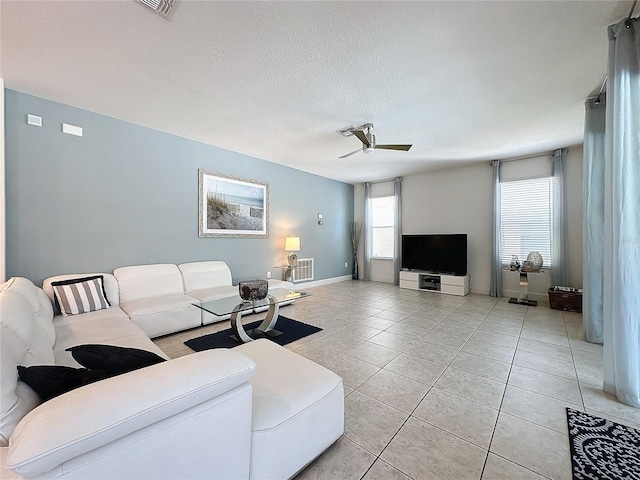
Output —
(454, 201)
(460, 201)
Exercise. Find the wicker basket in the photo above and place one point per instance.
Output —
(564, 300)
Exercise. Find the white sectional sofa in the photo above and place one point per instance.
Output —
(159, 298)
(254, 411)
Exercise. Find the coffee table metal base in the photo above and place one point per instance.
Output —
(265, 329)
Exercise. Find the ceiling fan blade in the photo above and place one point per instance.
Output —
(352, 153)
(363, 138)
(394, 147)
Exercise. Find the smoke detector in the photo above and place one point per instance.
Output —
(161, 7)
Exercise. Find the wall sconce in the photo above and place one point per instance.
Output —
(292, 244)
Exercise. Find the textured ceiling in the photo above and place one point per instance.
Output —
(462, 81)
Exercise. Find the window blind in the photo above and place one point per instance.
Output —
(382, 227)
(527, 219)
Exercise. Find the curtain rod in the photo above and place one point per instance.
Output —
(382, 181)
(628, 20)
(525, 157)
(604, 83)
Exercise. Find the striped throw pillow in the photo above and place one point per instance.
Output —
(80, 295)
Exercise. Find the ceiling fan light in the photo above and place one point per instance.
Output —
(368, 149)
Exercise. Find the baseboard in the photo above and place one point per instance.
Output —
(325, 281)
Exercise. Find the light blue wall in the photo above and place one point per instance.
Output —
(127, 195)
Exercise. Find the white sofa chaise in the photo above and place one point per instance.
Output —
(255, 411)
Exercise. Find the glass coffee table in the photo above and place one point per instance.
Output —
(236, 307)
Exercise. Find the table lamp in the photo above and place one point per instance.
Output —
(292, 244)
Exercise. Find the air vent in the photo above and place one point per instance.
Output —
(304, 271)
(161, 7)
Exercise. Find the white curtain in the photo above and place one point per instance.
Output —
(593, 226)
(559, 242)
(622, 215)
(366, 270)
(397, 217)
(495, 288)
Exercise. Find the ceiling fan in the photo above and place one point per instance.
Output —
(368, 139)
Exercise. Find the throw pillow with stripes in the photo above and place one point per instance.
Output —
(80, 295)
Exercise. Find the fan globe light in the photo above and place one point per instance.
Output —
(536, 260)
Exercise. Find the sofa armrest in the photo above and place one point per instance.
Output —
(97, 414)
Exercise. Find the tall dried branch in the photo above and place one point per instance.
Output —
(356, 231)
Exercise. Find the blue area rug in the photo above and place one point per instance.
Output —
(602, 449)
(292, 330)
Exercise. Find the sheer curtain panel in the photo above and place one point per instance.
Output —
(495, 289)
(593, 226)
(397, 248)
(622, 215)
(366, 270)
(559, 239)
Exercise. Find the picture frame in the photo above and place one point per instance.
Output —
(230, 206)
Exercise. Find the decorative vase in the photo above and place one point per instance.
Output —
(251, 290)
(515, 263)
(354, 273)
(536, 260)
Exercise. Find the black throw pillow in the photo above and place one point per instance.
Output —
(111, 359)
(49, 381)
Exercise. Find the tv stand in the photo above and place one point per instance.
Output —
(435, 282)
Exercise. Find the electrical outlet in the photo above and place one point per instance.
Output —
(346, 265)
(268, 274)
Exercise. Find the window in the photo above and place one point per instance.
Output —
(382, 227)
(527, 219)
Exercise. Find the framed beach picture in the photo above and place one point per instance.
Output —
(232, 206)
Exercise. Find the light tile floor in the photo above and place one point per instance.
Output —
(443, 387)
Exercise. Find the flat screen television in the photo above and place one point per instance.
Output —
(443, 253)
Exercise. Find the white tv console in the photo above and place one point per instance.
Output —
(435, 282)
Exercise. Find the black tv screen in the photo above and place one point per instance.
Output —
(444, 253)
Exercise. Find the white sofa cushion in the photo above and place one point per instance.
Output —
(148, 281)
(41, 344)
(16, 335)
(204, 275)
(5, 285)
(164, 314)
(208, 294)
(27, 337)
(159, 304)
(45, 440)
(302, 409)
(109, 281)
(108, 327)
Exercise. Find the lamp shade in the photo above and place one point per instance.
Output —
(292, 244)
